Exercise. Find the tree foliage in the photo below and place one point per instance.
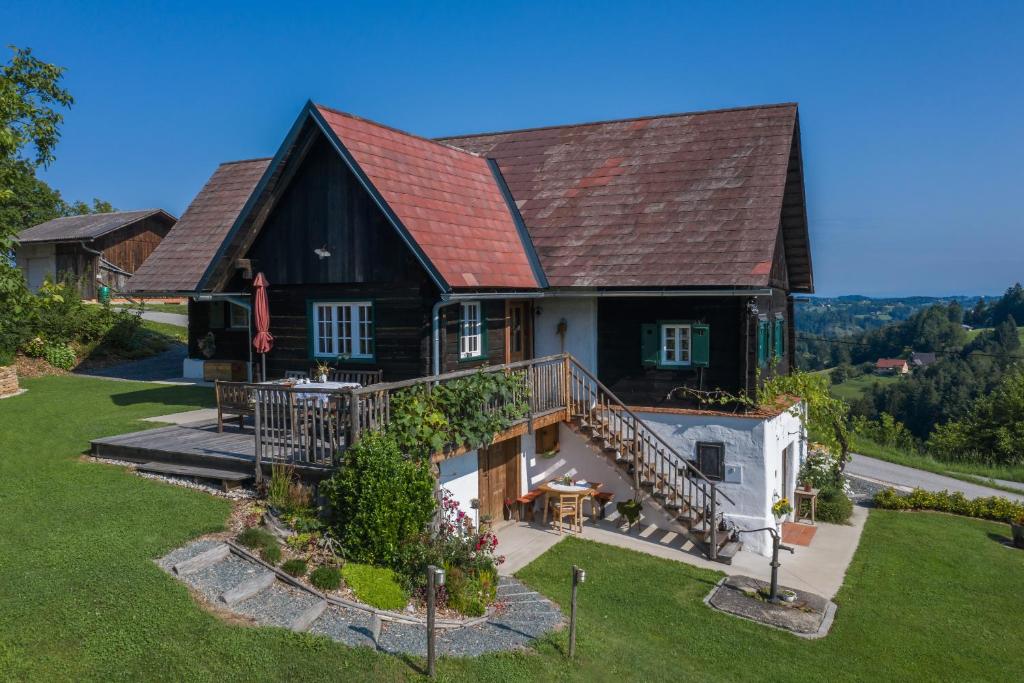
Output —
(826, 416)
(31, 100)
(992, 430)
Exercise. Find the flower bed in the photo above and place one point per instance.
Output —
(993, 507)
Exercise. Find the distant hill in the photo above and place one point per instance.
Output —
(851, 314)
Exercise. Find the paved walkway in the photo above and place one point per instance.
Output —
(818, 568)
(908, 478)
(163, 367)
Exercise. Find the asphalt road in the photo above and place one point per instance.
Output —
(908, 478)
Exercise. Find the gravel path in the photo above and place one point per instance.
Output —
(521, 615)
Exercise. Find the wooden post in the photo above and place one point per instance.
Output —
(566, 391)
(354, 416)
(713, 533)
(259, 439)
(431, 608)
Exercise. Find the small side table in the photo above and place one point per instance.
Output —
(800, 495)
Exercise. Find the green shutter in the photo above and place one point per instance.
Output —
(700, 345)
(780, 337)
(650, 345)
(762, 342)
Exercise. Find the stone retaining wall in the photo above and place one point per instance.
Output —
(8, 381)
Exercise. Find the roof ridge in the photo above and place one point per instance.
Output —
(393, 129)
(105, 213)
(244, 161)
(776, 105)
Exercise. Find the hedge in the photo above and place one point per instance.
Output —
(992, 508)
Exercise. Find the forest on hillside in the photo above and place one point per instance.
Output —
(969, 403)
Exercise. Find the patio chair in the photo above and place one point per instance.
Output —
(234, 398)
(567, 506)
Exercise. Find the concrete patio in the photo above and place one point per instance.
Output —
(818, 568)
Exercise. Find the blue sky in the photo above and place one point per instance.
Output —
(911, 113)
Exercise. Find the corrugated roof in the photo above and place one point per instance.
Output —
(180, 260)
(449, 201)
(664, 201)
(85, 227)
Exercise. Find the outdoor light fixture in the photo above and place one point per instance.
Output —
(435, 578)
(323, 252)
(438, 576)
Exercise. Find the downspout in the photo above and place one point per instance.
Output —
(435, 328)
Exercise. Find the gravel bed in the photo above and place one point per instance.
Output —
(863, 490)
(520, 617)
(240, 493)
(278, 605)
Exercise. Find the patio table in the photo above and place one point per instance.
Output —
(581, 489)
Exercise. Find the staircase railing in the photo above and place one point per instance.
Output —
(656, 466)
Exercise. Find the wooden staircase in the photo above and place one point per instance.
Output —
(658, 470)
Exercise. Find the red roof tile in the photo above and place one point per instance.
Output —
(446, 198)
(678, 200)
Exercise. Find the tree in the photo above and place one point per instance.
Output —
(991, 431)
(1006, 335)
(31, 100)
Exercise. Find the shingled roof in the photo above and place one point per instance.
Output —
(182, 258)
(666, 201)
(449, 200)
(85, 227)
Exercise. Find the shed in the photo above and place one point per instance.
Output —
(91, 249)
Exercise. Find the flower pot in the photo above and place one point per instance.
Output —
(1018, 534)
(807, 486)
(787, 595)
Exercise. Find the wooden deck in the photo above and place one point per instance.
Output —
(196, 444)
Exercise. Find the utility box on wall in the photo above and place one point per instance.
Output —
(733, 474)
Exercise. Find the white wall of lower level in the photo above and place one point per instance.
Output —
(754, 452)
(459, 475)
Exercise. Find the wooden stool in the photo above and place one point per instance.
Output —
(602, 498)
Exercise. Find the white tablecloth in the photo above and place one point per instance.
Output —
(563, 488)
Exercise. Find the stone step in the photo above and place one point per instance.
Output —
(202, 560)
(247, 589)
(308, 616)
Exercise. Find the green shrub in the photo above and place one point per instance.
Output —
(376, 586)
(295, 567)
(6, 357)
(380, 500)
(834, 506)
(326, 578)
(256, 538)
(469, 593)
(34, 347)
(994, 508)
(271, 553)
(60, 356)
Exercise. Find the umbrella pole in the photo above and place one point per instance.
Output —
(263, 376)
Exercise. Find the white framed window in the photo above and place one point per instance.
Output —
(675, 344)
(343, 328)
(238, 317)
(471, 331)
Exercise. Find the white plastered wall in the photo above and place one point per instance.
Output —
(459, 475)
(580, 315)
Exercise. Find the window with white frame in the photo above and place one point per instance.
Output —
(675, 344)
(471, 330)
(343, 329)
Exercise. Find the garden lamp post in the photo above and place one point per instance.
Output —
(578, 576)
(435, 578)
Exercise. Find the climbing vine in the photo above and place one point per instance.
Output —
(467, 411)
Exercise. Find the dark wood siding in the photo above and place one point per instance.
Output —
(229, 344)
(75, 264)
(619, 323)
(129, 247)
(324, 205)
(494, 313)
(769, 306)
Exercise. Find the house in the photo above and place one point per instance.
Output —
(891, 366)
(92, 249)
(921, 359)
(661, 252)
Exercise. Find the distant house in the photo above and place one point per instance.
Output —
(922, 359)
(93, 249)
(891, 366)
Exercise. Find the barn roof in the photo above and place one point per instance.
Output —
(692, 199)
(87, 226)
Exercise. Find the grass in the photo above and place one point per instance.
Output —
(376, 586)
(180, 309)
(852, 389)
(973, 473)
(971, 334)
(150, 339)
(928, 596)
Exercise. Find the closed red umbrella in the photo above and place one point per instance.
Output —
(263, 341)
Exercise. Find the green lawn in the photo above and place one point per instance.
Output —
(965, 471)
(928, 597)
(971, 334)
(852, 389)
(181, 309)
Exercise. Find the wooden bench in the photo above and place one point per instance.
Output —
(527, 499)
(233, 398)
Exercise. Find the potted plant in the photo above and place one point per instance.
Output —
(486, 522)
(781, 508)
(787, 595)
(566, 480)
(630, 510)
(807, 485)
(321, 371)
(1017, 528)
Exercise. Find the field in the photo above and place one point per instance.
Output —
(852, 389)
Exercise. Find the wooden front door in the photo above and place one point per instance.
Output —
(518, 337)
(498, 477)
